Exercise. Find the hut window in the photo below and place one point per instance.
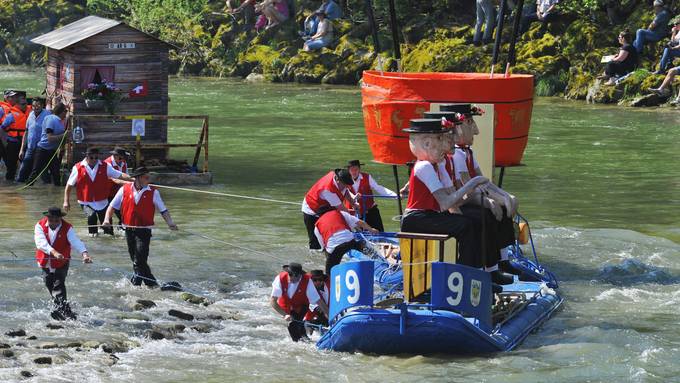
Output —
(98, 74)
(60, 76)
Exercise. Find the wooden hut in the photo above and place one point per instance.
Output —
(96, 49)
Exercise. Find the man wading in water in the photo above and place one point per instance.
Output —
(54, 239)
(137, 203)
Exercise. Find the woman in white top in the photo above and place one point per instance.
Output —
(323, 36)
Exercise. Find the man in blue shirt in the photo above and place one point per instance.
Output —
(31, 138)
(50, 138)
(657, 30)
(332, 11)
(14, 126)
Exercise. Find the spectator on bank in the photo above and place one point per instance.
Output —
(664, 89)
(623, 62)
(276, 11)
(672, 49)
(245, 8)
(332, 11)
(485, 17)
(546, 12)
(323, 36)
(656, 30)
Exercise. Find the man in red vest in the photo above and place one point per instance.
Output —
(328, 191)
(323, 287)
(137, 203)
(118, 161)
(363, 187)
(333, 230)
(91, 178)
(54, 239)
(292, 293)
(14, 124)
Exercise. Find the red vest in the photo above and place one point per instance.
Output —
(91, 191)
(18, 127)
(327, 287)
(419, 196)
(313, 196)
(364, 189)
(330, 223)
(140, 214)
(299, 302)
(114, 186)
(61, 244)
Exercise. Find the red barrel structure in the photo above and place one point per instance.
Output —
(391, 99)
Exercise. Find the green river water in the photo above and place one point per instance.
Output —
(601, 186)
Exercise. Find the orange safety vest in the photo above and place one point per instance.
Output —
(18, 127)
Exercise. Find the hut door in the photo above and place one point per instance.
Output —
(96, 74)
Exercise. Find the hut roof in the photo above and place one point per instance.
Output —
(78, 31)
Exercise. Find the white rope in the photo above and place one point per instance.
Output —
(226, 194)
(234, 245)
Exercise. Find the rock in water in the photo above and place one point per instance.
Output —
(43, 360)
(7, 353)
(48, 345)
(32, 337)
(52, 326)
(142, 304)
(154, 334)
(195, 299)
(171, 286)
(649, 100)
(255, 77)
(15, 333)
(4, 345)
(180, 315)
(26, 374)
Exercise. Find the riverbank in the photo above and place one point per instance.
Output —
(565, 59)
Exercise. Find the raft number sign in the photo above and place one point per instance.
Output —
(351, 285)
(462, 289)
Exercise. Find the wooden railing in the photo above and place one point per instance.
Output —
(137, 143)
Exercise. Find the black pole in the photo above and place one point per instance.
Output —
(499, 36)
(513, 39)
(483, 217)
(395, 31)
(396, 179)
(371, 22)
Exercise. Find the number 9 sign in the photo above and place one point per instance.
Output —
(352, 285)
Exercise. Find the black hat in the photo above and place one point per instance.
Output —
(139, 171)
(20, 93)
(450, 116)
(295, 268)
(42, 100)
(344, 176)
(92, 151)
(466, 109)
(351, 163)
(317, 273)
(54, 212)
(425, 125)
(9, 93)
(120, 151)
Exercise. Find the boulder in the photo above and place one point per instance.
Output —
(653, 99)
(48, 345)
(26, 374)
(114, 347)
(142, 304)
(16, 333)
(43, 360)
(203, 328)
(32, 337)
(180, 315)
(600, 93)
(255, 77)
(53, 326)
(195, 299)
(7, 353)
(4, 345)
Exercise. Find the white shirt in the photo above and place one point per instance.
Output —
(327, 195)
(459, 162)
(424, 171)
(92, 173)
(325, 294)
(341, 236)
(379, 189)
(137, 194)
(277, 291)
(42, 243)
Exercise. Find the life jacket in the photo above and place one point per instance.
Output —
(419, 196)
(327, 287)
(365, 190)
(330, 223)
(313, 196)
(114, 186)
(5, 108)
(18, 127)
(92, 191)
(469, 161)
(141, 213)
(60, 244)
(299, 302)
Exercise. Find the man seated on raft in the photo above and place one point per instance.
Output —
(292, 293)
(333, 230)
(500, 206)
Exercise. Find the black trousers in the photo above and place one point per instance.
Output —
(497, 234)
(466, 232)
(138, 241)
(335, 257)
(618, 69)
(41, 160)
(310, 221)
(296, 328)
(56, 285)
(526, 21)
(94, 218)
(12, 159)
(373, 218)
(116, 212)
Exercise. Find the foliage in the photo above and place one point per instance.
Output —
(105, 91)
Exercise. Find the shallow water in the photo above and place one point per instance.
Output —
(600, 186)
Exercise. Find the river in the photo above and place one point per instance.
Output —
(601, 186)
